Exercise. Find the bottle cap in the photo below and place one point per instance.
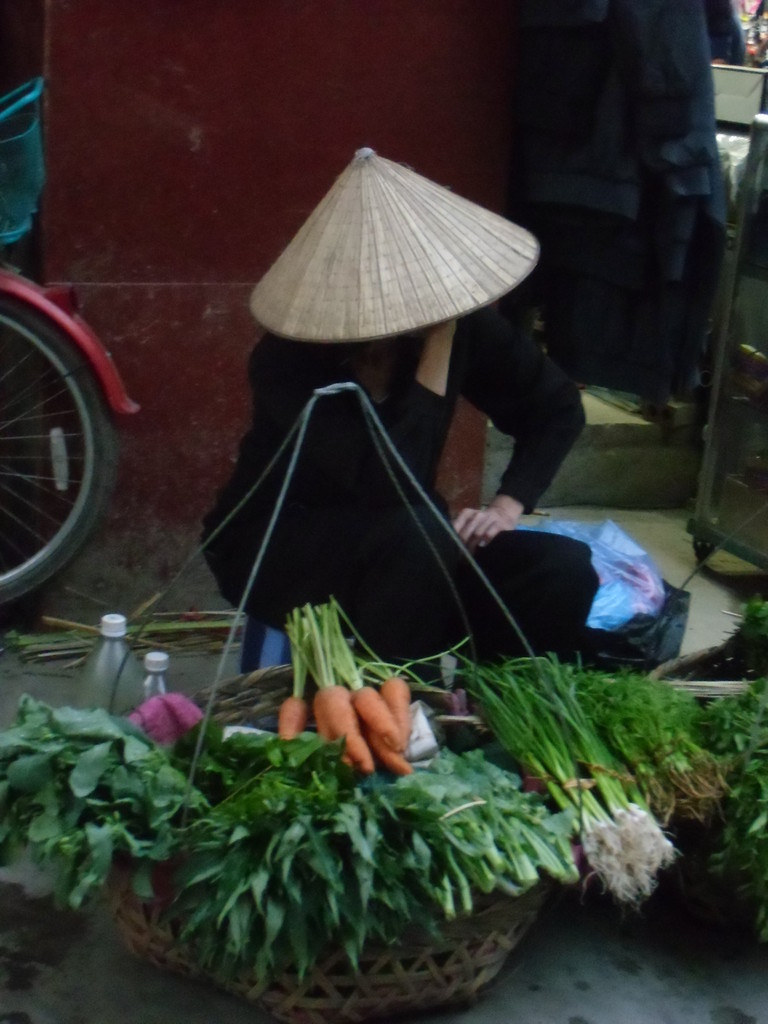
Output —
(156, 661)
(113, 625)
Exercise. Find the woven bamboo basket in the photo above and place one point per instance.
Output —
(421, 973)
(695, 673)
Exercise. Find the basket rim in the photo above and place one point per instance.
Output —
(402, 977)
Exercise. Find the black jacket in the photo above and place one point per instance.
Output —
(493, 365)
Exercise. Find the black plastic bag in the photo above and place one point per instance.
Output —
(645, 641)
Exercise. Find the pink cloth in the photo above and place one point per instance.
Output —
(166, 716)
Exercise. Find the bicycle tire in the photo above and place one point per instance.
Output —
(58, 450)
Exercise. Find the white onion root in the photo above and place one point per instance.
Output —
(628, 853)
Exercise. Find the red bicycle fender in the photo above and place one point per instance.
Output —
(56, 303)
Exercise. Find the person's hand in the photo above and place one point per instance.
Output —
(478, 527)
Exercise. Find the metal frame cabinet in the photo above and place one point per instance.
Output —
(732, 505)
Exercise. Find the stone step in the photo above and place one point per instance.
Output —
(623, 458)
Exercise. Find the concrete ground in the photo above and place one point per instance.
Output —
(583, 962)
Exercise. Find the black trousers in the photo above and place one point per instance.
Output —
(409, 588)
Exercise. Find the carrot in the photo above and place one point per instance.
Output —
(321, 718)
(397, 695)
(386, 756)
(334, 713)
(292, 717)
(294, 711)
(372, 709)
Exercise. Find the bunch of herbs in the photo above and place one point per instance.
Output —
(737, 730)
(656, 730)
(302, 859)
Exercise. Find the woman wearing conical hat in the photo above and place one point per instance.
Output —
(388, 287)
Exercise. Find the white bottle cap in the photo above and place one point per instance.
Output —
(113, 625)
(156, 661)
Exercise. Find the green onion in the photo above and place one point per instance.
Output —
(532, 707)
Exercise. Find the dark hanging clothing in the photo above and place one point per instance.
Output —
(344, 529)
(618, 174)
(726, 36)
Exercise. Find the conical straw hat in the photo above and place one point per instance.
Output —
(386, 252)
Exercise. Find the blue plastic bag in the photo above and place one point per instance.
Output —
(630, 583)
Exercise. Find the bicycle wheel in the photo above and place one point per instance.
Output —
(58, 450)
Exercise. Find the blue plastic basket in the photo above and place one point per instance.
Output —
(22, 167)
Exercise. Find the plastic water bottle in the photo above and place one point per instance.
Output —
(155, 668)
(112, 677)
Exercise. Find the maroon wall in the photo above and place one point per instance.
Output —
(186, 142)
(22, 35)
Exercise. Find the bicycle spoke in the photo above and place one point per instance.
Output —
(9, 545)
(25, 413)
(57, 449)
(27, 477)
(24, 525)
(37, 506)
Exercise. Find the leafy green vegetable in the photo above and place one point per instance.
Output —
(751, 637)
(306, 859)
(279, 853)
(656, 731)
(80, 788)
(744, 655)
(737, 730)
